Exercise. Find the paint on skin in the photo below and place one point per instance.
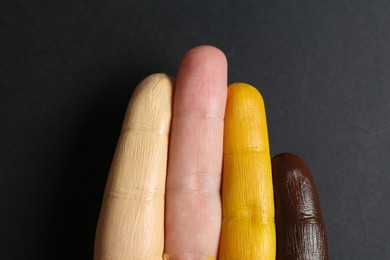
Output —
(300, 227)
(131, 221)
(248, 227)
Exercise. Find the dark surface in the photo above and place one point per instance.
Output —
(68, 68)
(300, 229)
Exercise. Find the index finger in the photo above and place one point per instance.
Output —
(131, 221)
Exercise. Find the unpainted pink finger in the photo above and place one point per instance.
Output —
(193, 203)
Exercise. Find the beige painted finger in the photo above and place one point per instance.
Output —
(131, 221)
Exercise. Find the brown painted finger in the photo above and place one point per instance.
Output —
(300, 227)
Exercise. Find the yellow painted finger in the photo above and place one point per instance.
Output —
(248, 226)
(131, 221)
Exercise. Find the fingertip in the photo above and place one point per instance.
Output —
(287, 156)
(204, 60)
(244, 97)
(295, 190)
(205, 53)
(150, 106)
(245, 113)
(202, 83)
(289, 166)
(242, 86)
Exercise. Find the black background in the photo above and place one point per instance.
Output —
(68, 68)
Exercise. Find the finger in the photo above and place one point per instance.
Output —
(248, 228)
(131, 222)
(193, 203)
(300, 228)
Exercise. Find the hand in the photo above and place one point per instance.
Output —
(155, 203)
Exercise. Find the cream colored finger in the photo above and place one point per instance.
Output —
(131, 222)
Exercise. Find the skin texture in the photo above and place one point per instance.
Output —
(131, 221)
(248, 228)
(301, 231)
(193, 202)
